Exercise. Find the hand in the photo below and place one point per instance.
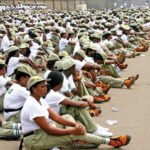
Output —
(77, 76)
(79, 129)
(82, 104)
(104, 71)
(91, 104)
(88, 75)
(90, 85)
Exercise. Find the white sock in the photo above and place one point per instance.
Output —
(107, 140)
(17, 126)
(17, 132)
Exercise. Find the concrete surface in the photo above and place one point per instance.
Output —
(133, 109)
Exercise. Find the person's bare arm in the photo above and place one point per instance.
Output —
(49, 129)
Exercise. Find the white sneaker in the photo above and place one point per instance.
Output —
(103, 133)
(102, 128)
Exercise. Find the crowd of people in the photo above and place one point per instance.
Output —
(56, 66)
(20, 6)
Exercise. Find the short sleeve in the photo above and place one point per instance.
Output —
(71, 83)
(37, 111)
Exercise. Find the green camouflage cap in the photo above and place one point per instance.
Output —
(12, 48)
(27, 40)
(96, 35)
(125, 27)
(24, 45)
(52, 57)
(34, 80)
(81, 53)
(68, 63)
(63, 54)
(92, 46)
(2, 62)
(23, 68)
(58, 65)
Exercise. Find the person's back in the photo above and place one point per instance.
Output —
(14, 99)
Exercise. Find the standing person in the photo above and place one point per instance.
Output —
(40, 132)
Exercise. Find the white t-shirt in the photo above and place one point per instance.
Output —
(32, 109)
(79, 64)
(12, 65)
(3, 82)
(54, 99)
(124, 38)
(108, 43)
(15, 98)
(62, 44)
(34, 51)
(5, 43)
(89, 59)
(68, 84)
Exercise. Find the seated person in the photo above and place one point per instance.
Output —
(41, 132)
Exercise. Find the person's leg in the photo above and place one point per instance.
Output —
(1, 102)
(41, 140)
(10, 131)
(67, 117)
(81, 115)
(4, 133)
(93, 92)
(84, 90)
(114, 82)
(15, 118)
(112, 71)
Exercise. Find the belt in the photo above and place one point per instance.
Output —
(28, 134)
(25, 135)
(12, 110)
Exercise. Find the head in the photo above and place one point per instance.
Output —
(55, 81)
(68, 67)
(107, 36)
(12, 54)
(98, 58)
(64, 35)
(70, 71)
(79, 56)
(30, 43)
(95, 40)
(37, 86)
(90, 52)
(25, 51)
(50, 64)
(22, 78)
(126, 32)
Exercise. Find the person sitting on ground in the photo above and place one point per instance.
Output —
(41, 132)
(64, 105)
(16, 95)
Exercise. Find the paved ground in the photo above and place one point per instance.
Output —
(133, 108)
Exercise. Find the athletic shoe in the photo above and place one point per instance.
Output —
(102, 133)
(128, 83)
(102, 128)
(95, 111)
(120, 141)
(101, 98)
